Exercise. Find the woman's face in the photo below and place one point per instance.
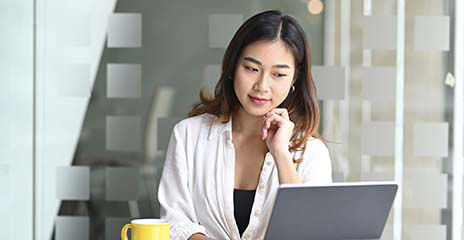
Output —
(263, 76)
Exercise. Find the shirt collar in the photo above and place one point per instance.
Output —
(219, 128)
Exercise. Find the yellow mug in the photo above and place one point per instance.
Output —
(147, 229)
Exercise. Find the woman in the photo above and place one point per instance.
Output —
(225, 162)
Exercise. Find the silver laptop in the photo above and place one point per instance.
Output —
(335, 211)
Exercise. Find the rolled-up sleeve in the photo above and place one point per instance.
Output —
(316, 167)
(174, 196)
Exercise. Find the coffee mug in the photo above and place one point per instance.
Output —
(147, 229)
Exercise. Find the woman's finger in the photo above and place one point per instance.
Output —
(267, 124)
(275, 119)
(270, 119)
(264, 131)
(282, 112)
(264, 128)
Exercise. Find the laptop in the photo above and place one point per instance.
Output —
(336, 211)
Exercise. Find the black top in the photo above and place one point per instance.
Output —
(243, 202)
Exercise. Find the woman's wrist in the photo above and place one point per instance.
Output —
(280, 155)
(286, 168)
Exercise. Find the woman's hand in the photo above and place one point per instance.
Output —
(199, 236)
(277, 130)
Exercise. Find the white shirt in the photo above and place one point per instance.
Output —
(197, 183)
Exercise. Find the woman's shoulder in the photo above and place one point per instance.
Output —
(315, 144)
(195, 122)
(312, 146)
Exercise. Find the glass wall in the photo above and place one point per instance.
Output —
(16, 119)
(91, 90)
(395, 111)
(114, 77)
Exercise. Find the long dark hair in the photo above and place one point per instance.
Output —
(301, 103)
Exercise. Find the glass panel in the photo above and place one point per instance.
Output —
(113, 77)
(110, 89)
(16, 119)
(395, 121)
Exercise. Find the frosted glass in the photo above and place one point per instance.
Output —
(377, 176)
(432, 33)
(338, 176)
(124, 80)
(73, 183)
(6, 225)
(70, 80)
(431, 139)
(329, 81)
(76, 29)
(125, 30)
(5, 140)
(379, 32)
(72, 228)
(5, 180)
(378, 83)
(378, 138)
(428, 232)
(387, 232)
(425, 190)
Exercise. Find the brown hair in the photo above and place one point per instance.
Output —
(301, 103)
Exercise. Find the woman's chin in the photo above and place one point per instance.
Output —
(257, 112)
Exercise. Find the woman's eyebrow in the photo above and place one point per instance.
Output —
(259, 63)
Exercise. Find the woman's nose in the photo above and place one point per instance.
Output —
(263, 83)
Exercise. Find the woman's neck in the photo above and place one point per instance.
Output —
(247, 125)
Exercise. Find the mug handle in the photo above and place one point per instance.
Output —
(124, 231)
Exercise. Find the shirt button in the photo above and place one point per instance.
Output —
(269, 163)
(246, 236)
(261, 186)
(256, 212)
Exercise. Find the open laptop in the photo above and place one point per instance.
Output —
(336, 211)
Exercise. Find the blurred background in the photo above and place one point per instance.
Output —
(90, 91)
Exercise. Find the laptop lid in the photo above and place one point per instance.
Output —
(335, 211)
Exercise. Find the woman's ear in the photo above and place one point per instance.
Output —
(294, 78)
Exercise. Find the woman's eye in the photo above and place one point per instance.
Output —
(280, 75)
(251, 69)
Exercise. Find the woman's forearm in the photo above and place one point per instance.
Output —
(286, 169)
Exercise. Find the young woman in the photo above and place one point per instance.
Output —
(225, 162)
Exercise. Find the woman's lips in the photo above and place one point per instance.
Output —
(258, 101)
